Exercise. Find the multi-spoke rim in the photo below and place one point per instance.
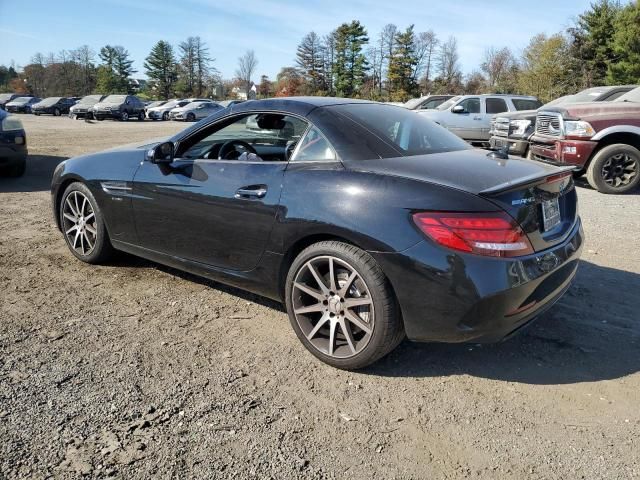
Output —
(333, 306)
(619, 170)
(79, 223)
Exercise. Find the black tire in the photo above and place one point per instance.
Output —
(124, 116)
(165, 116)
(100, 119)
(191, 117)
(141, 116)
(102, 249)
(579, 173)
(56, 112)
(18, 169)
(37, 114)
(603, 176)
(387, 330)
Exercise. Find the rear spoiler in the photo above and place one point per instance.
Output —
(527, 181)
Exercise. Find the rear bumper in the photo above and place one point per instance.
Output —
(516, 147)
(449, 297)
(563, 152)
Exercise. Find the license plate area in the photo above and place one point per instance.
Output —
(550, 214)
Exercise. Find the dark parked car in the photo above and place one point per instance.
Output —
(119, 107)
(55, 106)
(82, 109)
(363, 224)
(515, 129)
(13, 145)
(6, 98)
(21, 104)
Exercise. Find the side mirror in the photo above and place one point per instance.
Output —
(161, 154)
(458, 109)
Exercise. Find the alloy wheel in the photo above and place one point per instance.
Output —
(333, 306)
(619, 170)
(125, 116)
(79, 223)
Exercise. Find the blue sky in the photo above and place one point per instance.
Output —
(272, 28)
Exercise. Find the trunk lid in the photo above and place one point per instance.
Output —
(525, 189)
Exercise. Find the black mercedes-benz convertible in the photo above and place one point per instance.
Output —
(368, 221)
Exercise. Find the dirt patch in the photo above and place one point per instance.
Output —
(134, 370)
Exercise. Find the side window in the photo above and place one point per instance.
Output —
(248, 137)
(470, 105)
(314, 147)
(496, 105)
(526, 104)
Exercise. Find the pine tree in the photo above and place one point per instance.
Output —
(592, 41)
(160, 66)
(402, 65)
(626, 47)
(114, 73)
(350, 65)
(310, 60)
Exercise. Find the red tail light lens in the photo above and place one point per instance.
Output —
(494, 234)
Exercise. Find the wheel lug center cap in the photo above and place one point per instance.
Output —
(334, 304)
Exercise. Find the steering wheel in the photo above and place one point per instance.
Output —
(229, 148)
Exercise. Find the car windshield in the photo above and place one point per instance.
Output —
(5, 96)
(448, 104)
(589, 95)
(631, 96)
(115, 99)
(22, 99)
(409, 133)
(414, 102)
(50, 101)
(90, 99)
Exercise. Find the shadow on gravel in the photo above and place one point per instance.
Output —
(37, 177)
(592, 334)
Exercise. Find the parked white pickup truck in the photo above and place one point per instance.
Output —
(469, 116)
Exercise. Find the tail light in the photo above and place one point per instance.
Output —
(493, 234)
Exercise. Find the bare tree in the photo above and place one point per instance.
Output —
(387, 45)
(448, 62)
(246, 67)
(497, 63)
(426, 44)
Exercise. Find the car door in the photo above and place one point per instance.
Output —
(212, 210)
(466, 123)
(492, 106)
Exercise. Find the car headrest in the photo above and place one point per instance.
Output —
(270, 121)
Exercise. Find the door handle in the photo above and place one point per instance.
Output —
(253, 191)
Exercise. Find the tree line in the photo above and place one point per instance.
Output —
(601, 47)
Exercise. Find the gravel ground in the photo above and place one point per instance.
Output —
(134, 370)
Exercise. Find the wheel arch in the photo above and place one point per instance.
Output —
(626, 137)
(294, 250)
(58, 196)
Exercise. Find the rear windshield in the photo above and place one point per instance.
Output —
(631, 96)
(526, 104)
(407, 132)
(50, 101)
(115, 99)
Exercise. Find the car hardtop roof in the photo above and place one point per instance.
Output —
(298, 105)
(532, 97)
